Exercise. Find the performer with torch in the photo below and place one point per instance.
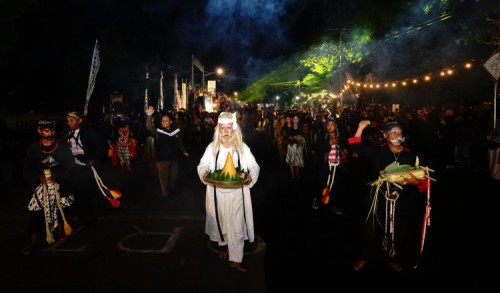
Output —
(88, 150)
(331, 149)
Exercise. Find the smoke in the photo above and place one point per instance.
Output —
(251, 37)
(247, 34)
(420, 40)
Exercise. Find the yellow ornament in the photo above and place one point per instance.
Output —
(229, 170)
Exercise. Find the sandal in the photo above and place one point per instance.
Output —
(336, 210)
(224, 254)
(394, 265)
(237, 266)
(28, 250)
(359, 264)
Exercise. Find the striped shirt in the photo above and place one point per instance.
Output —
(333, 155)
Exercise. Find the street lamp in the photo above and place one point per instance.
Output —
(218, 71)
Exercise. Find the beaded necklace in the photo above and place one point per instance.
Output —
(396, 156)
(49, 151)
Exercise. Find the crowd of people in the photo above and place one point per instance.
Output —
(336, 144)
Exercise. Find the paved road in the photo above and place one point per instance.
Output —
(153, 244)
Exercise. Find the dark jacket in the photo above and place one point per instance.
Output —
(93, 145)
(168, 142)
(60, 161)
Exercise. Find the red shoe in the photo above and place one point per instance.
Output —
(359, 264)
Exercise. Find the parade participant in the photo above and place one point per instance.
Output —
(393, 223)
(168, 149)
(294, 136)
(229, 218)
(47, 168)
(148, 151)
(331, 151)
(123, 144)
(88, 150)
(278, 126)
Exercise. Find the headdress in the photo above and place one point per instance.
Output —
(228, 120)
(46, 123)
(74, 114)
(390, 125)
(331, 119)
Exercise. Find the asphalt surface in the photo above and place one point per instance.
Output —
(155, 244)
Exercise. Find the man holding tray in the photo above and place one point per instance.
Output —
(396, 213)
(229, 218)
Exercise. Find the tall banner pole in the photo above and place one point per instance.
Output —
(495, 105)
(160, 102)
(175, 99)
(184, 95)
(146, 92)
(192, 83)
(94, 68)
(197, 63)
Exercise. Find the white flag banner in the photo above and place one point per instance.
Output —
(175, 100)
(160, 102)
(184, 95)
(94, 68)
(178, 100)
(146, 103)
(209, 96)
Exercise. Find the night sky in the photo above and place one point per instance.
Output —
(47, 45)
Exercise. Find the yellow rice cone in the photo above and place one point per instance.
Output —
(229, 168)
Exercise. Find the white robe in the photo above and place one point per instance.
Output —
(234, 205)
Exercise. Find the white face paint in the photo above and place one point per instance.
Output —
(395, 136)
(396, 141)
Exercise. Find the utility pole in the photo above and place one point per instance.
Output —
(340, 30)
(340, 71)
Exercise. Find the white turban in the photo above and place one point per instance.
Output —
(229, 120)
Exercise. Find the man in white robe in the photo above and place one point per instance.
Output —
(229, 215)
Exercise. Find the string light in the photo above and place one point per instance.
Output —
(447, 71)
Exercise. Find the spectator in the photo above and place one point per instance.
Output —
(169, 149)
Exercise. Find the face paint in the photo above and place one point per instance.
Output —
(395, 141)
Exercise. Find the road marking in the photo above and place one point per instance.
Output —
(55, 246)
(167, 248)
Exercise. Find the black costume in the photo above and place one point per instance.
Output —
(401, 245)
(43, 205)
(87, 195)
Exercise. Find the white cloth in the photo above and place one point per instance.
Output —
(494, 163)
(234, 205)
(36, 203)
